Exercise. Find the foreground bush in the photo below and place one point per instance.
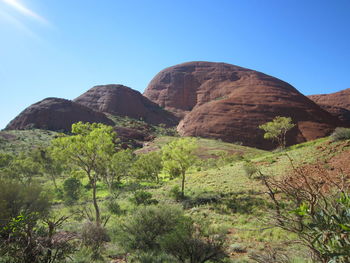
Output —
(27, 231)
(340, 134)
(164, 232)
(314, 203)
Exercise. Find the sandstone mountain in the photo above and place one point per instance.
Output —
(55, 114)
(124, 101)
(228, 102)
(338, 104)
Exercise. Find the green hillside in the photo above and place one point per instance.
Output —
(218, 191)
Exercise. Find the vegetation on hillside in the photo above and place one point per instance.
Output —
(82, 198)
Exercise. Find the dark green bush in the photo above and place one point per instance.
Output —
(143, 229)
(176, 193)
(71, 190)
(114, 208)
(143, 198)
(340, 134)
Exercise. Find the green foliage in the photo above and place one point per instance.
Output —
(143, 198)
(250, 169)
(50, 166)
(329, 226)
(148, 166)
(178, 155)
(340, 134)
(155, 230)
(93, 236)
(26, 229)
(151, 257)
(24, 141)
(23, 168)
(190, 244)
(114, 207)
(119, 167)
(17, 199)
(143, 229)
(72, 189)
(316, 208)
(176, 193)
(90, 149)
(276, 130)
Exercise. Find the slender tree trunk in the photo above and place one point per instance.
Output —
(94, 199)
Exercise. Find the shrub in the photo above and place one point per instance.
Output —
(143, 198)
(189, 243)
(114, 208)
(314, 203)
(176, 193)
(340, 134)
(71, 190)
(93, 236)
(159, 230)
(142, 230)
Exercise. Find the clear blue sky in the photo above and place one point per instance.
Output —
(61, 48)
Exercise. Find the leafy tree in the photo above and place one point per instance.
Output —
(179, 155)
(276, 130)
(119, 167)
(90, 149)
(148, 166)
(50, 166)
(23, 168)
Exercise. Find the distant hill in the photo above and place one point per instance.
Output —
(223, 101)
(338, 104)
(120, 100)
(55, 114)
(203, 99)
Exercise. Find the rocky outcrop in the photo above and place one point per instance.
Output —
(123, 101)
(228, 102)
(338, 104)
(55, 114)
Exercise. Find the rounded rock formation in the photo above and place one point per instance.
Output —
(123, 101)
(338, 104)
(223, 101)
(55, 114)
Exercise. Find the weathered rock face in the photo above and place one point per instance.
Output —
(338, 104)
(55, 114)
(123, 101)
(228, 102)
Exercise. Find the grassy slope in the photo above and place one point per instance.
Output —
(240, 204)
(16, 141)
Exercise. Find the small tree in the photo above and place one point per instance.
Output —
(277, 129)
(148, 166)
(179, 155)
(119, 167)
(90, 149)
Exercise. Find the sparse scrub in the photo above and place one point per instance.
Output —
(340, 134)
